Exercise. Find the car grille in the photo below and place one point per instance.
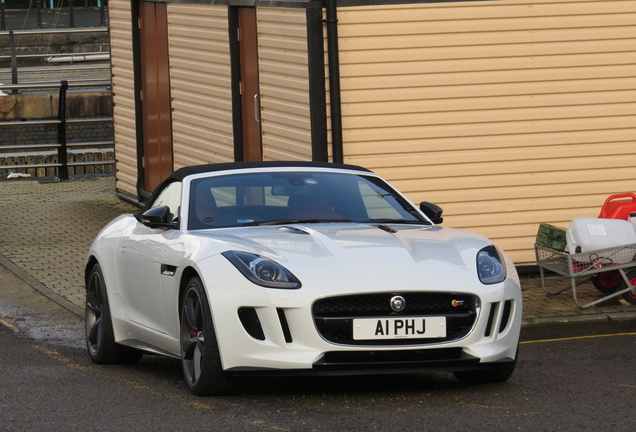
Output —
(334, 316)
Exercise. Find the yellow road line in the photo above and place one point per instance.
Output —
(10, 326)
(577, 337)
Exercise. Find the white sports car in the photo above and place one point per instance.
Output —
(301, 268)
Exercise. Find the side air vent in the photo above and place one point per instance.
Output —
(505, 315)
(500, 311)
(251, 323)
(491, 318)
(283, 323)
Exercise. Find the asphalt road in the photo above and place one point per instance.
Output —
(584, 384)
(49, 384)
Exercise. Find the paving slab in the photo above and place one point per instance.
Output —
(47, 227)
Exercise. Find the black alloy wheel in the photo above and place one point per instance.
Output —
(100, 339)
(200, 357)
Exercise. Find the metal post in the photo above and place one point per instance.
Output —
(333, 53)
(38, 10)
(62, 155)
(71, 14)
(102, 14)
(3, 22)
(14, 61)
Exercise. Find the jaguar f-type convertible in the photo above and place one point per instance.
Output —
(298, 268)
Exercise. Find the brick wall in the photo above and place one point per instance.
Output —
(43, 134)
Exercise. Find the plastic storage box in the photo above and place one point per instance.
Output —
(590, 234)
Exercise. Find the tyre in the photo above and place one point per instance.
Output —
(629, 296)
(607, 282)
(100, 339)
(200, 356)
(498, 374)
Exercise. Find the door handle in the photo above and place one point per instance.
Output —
(257, 109)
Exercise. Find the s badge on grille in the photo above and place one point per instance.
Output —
(457, 303)
(397, 303)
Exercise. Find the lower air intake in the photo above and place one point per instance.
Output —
(251, 323)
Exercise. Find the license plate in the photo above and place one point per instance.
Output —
(399, 328)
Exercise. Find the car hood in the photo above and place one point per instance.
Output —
(378, 253)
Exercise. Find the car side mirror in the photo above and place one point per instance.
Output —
(158, 217)
(433, 212)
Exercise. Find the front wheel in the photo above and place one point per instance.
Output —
(200, 356)
(100, 339)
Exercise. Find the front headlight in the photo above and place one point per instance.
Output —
(490, 267)
(262, 271)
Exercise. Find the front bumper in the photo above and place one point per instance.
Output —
(279, 334)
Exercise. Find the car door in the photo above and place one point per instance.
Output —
(140, 265)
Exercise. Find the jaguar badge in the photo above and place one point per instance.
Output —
(397, 303)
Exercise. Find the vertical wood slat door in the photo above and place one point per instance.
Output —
(250, 97)
(155, 85)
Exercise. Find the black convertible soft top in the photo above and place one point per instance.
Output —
(181, 173)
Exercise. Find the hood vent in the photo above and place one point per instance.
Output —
(386, 228)
(293, 229)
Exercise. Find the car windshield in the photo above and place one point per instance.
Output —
(270, 198)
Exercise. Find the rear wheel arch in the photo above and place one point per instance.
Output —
(99, 332)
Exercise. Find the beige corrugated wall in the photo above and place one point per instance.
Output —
(506, 113)
(284, 83)
(123, 96)
(200, 84)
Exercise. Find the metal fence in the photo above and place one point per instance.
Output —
(61, 158)
(38, 14)
(18, 63)
(62, 149)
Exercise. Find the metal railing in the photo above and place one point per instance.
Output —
(68, 57)
(62, 145)
(71, 8)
